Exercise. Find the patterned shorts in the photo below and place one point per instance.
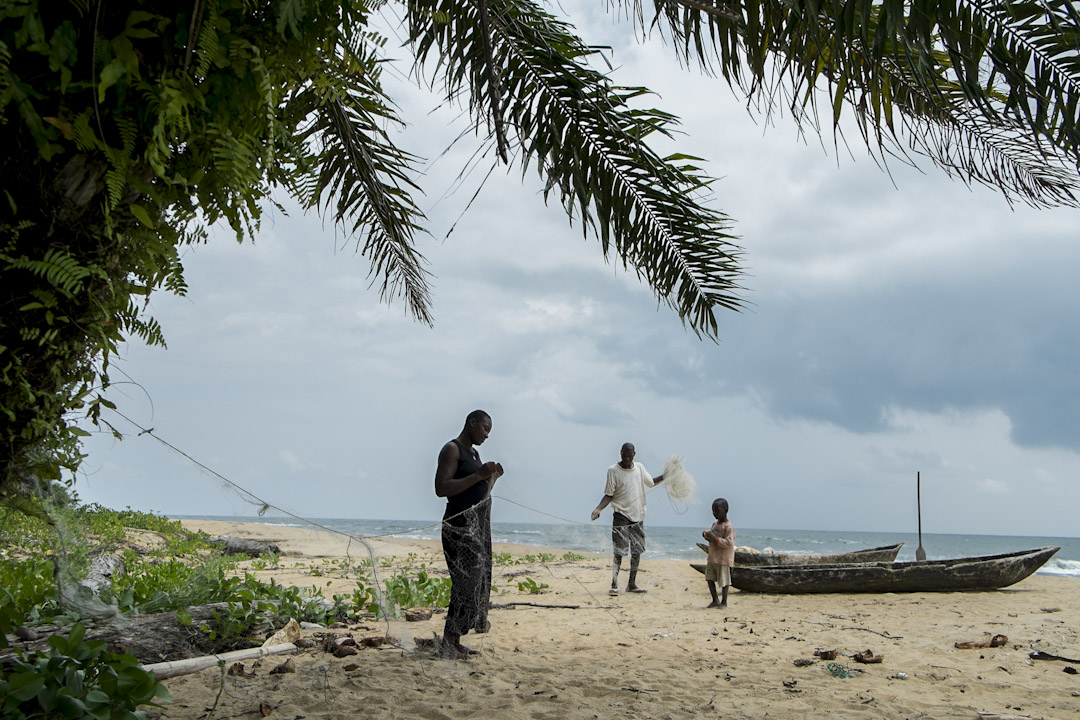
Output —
(628, 538)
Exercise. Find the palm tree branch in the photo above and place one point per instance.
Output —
(586, 139)
(364, 178)
(874, 56)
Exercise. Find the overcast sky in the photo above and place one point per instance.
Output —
(897, 325)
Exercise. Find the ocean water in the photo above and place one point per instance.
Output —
(681, 542)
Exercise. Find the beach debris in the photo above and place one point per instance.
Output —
(26, 634)
(1070, 670)
(1040, 655)
(803, 662)
(285, 667)
(430, 643)
(989, 642)
(265, 708)
(898, 676)
(373, 641)
(305, 625)
(304, 643)
(825, 654)
(417, 614)
(237, 670)
(838, 670)
(173, 668)
(867, 657)
(790, 683)
(887, 635)
(290, 633)
(1050, 609)
(342, 646)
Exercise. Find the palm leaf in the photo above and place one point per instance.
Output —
(987, 90)
(590, 144)
(363, 178)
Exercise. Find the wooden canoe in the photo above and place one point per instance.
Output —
(885, 553)
(985, 572)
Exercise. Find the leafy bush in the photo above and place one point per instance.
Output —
(78, 679)
(149, 586)
(29, 589)
(425, 591)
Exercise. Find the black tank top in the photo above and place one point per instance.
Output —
(468, 463)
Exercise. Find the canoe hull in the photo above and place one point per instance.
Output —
(886, 553)
(987, 572)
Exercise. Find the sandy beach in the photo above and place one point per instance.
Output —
(661, 654)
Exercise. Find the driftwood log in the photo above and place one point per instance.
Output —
(246, 546)
(151, 638)
(174, 668)
(104, 568)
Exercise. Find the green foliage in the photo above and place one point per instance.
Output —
(173, 576)
(125, 137)
(572, 556)
(28, 590)
(78, 679)
(363, 599)
(264, 562)
(528, 585)
(403, 591)
(161, 585)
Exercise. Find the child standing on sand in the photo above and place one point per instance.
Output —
(721, 537)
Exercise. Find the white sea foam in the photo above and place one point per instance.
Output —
(1070, 568)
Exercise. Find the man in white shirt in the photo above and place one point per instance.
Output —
(625, 492)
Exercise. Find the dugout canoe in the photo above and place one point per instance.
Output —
(885, 553)
(984, 572)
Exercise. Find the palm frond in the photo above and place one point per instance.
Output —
(363, 179)
(987, 89)
(590, 144)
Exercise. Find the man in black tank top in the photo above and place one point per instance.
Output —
(466, 484)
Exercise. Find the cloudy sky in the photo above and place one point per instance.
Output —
(897, 324)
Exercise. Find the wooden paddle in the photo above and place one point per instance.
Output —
(920, 554)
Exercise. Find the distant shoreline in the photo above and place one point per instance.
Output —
(680, 543)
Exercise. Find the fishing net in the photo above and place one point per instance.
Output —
(679, 484)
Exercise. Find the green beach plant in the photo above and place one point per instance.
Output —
(528, 585)
(404, 591)
(77, 679)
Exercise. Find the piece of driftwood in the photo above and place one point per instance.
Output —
(173, 668)
(246, 546)
(151, 638)
(989, 642)
(534, 604)
(104, 568)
